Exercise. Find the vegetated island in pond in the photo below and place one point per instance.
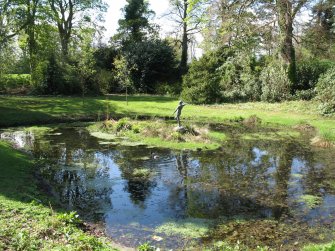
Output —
(193, 136)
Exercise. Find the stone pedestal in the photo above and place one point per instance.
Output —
(180, 129)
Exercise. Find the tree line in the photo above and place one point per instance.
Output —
(252, 49)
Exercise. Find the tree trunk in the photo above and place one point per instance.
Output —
(287, 51)
(30, 30)
(184, 44)
(64, 24)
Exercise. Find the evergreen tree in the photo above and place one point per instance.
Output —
(135, 26)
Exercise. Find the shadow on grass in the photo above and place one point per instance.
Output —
(142, 98)
(16, 174)
(33, 111)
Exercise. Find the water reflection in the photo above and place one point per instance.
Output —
(134, 192)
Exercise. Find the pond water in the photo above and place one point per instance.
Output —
(272, 192)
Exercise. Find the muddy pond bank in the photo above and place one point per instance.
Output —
(256, 191)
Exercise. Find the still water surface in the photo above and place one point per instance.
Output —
(137, 192)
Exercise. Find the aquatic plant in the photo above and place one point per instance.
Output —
(141, 172)
(263, 232)
(123, 124)
(146, 247)
(70, 218)
(194, 228)
(310, 200)
(324, 139)
(253, 121)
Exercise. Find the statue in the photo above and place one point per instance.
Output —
(178, 110)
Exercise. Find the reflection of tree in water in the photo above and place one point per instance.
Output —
(228, 180)
(299, 162)
(285, 155)
(247, 177)
(319, 175)
(139, 187)
(178, 196)
(73, 170)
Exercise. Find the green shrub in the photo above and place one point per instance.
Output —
(222, 75)
(276, 85)
(239, 79)
(136, 129)
(308, 73)
(169, 88)
(201, 85)
(71, 218)
(151, 62)
(146, 247)
(123, 124)
(305, 94)
(103, 80)
(9, 82)
(176, 136)
(326, 92)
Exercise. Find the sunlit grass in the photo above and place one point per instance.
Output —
(33, 110)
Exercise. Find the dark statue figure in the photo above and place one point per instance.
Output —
(178, 110)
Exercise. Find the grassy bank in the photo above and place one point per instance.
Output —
(38, 110)
(27, 220)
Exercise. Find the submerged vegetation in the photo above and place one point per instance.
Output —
(266, 233)
(189, 228)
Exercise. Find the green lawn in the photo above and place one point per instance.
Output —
(39, 110)
(27, 220)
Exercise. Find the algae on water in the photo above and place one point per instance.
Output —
(310, 200)
(193, 228)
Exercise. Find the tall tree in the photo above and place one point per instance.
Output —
(135, 26)
(67, 12)
(233, 23)
(188, 20)
(12, 19)
(319, 36)
(31, 12)
(286, 13)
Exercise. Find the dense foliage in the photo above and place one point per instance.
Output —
(151, 62)
(202, 83)
(276, 84)
(326, 92)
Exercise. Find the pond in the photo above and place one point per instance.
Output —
(276, 193)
